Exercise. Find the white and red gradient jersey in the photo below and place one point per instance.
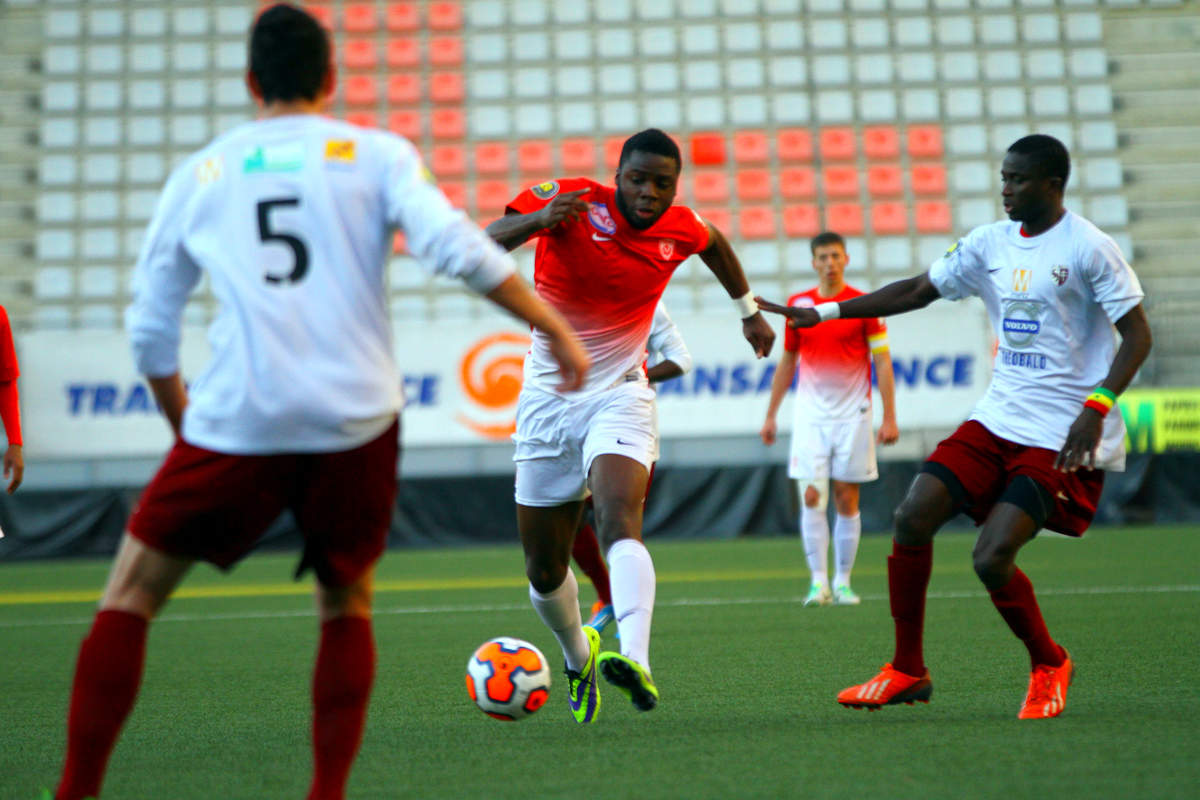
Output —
(833, 377)
(605, 276)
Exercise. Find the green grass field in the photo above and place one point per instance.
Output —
(747, 677)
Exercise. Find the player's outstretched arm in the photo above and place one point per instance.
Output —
(513, 229)
(514, 295)
(1079, 450)
(895, 298)
(782, 379)
(720, 258)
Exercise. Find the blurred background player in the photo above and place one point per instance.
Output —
(1054, 286)
(10, 406)
(831, 432)
(604, 256)
(671, 357)
(291, 218)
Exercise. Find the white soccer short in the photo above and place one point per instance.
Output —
(843, 450)
(557, 439)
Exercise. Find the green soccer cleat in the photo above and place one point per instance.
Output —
(583, 690)
(631, 678)
(818, 595)
(845, 596)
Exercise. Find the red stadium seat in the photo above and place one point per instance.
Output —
(404, 89)
(360, 54)
(929, 179)
(535, 157)
(363, 119)
(455, 191)
(322, 14)
(881, 143)
(360, 18)
(757, 222)
(448, 161)
(446, 51)
(405, 123)
(399, 244)
(840, 181)
(794, 144)
(801, 221)
(403, 53)
(491, 158)
(707, 149)
(711, 186)
(448, 123)
(446, 87)
(403, 17)
(754, 184)
(933, 217)
(719, 218)
(889, 218)
(360, 90)
(751, 147)
(844, 218)
(925, 141)
(445, 16)
(492, 196)
(838, 144)
(612, 151)
(577, 156)
(797, 183)
(885, 180)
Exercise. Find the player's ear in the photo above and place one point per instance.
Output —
(330, 82)
(254, 87)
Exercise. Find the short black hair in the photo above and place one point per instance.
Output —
(289, 54)
(826, 238)
(1049, 154)
(651, 140)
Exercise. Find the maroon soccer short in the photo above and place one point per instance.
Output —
(214, 506)
(985, 464)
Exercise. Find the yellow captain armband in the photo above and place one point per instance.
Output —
(878, 343)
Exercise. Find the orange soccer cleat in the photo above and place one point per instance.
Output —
(887, 688)
(1047, 695)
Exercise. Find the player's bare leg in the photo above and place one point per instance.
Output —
(814, 532)
(111, 658)
(847, 530)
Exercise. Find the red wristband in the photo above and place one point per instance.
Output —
(1099, 408)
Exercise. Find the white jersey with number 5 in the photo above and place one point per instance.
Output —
(291, 220)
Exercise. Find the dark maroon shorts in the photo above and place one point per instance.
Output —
(985, 464)
(214, 506)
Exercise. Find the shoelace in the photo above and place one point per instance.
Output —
(1042, 685)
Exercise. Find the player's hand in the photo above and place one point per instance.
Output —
(1082, 439)
(769, 430)
(14, 465)
(759, 334)
(566, 205)
(573, 361)
(796, 317)
(888, 432)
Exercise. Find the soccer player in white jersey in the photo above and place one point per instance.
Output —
(1034, 450)
(291, 218)
(831, 430)
(604, 257)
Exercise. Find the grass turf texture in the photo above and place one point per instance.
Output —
(748, 678)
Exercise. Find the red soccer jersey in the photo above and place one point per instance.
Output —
(8, 353)
(833, 379)
(605, 276)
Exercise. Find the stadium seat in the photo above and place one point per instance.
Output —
(837, 144)
(754, 184)
(707, 149)
(797, 183)
(445, 16)
(404, 89)
(448, 123)
(885, 180)
(612, 151)
(455, 191)
(751, 147)
(491, 158)
(492, 196)
(881, 143)
(405, 123)
(801, 221)
(446, 51)
(363, 119)
(710, 186)
(360, 18)
(925, 141)
(535, 157)
(448, 161)
(794, 144)
(719, 218)
(840, 181)
(928, 179)
(756, 222)
(933, 217)
(360, 90)
(360, 54)
(889, 218)
(845, 218)
(402, 52)
(402, 17)
(577, 156)
(446, 87)
(322, 14)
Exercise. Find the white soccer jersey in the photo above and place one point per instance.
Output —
(666, 342)
(291, 218)
(1052, 299)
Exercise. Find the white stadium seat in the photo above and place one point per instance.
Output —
(487, 48)
(147, 131)
(1005, 133)
(1051, 101)
(570, 13)
(571, 81)
(56, 207)
(536, 47)
(1098, 136)
(233, 20)
(748, 109)
(998, 29)
(873, 68)
(524, 12)
(827, 34)
(791, 107)
(617, 79)
(759, 258)
(100, 206)
(615, 115)
(1084, 27)
(973, 177)
(878, 105)
(190, 129)
(145, 168)
(960, 67)
(913, 32)
(1108, 211)
(231, 56)
(489, 121)
(105, 58)
(1006, 101)
(701, 39)
(1002, 65)
(485, 14)
(1103, 173)
(964, 103)
(94, 316)
(1089, 63)
(783, 7)
(534, 119)
(835, 106)
(55, 245)
(63, 24)
(577, 117)
(1059, 130)
(955, 30)
(831, 70)
(665, 113)
(613, 10)
(573, 45)
(59, 133)
(788, 71)
(102, 131)
(864, 6)
(60, 96)
(921, 104)
(819, 6)
(190, 21)
(662, 77)
(58, 170)
(1046, 64)
(705, 111)
(870, 32)
(785, 34)
(104, 95)
(53, 283)
(698, 8)
(106, 23)
(615, 43)
(149, 57)
(1040, 28)
(744, 73)
(531, 82)
(656, 9)
(702, 75)
(189, 93)
(657, 41)
(152, 94)
(101, 168)
(151, 23)
(917, 68)
(952, 5)
(98, 282)
(743, 37)
(892, 254)
(910, 5)
(61, 59)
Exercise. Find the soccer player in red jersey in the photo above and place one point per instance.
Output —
(831, 433)
(604, 256)
(291, 218)
(10, 408)
(1054, 286)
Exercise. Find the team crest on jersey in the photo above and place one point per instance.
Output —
(1060, 274)
(802, 301)
(339, 151)
(210, 169)
(544, 191)
(951, 249)
(666, 248)
(602, 220)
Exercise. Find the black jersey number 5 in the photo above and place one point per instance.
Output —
(299, 249)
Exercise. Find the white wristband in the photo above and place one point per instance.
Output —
(745, 305)
(828, 310)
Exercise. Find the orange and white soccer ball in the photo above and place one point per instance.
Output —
(508, 678)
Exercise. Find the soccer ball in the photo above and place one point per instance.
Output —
(508, 678)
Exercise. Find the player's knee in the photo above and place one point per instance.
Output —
(912, 524)
(545, 576)
(816, 495)
(993, 565)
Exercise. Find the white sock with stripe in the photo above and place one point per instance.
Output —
(560, 611)
(631, 575)
(814, 529)
(846, 533)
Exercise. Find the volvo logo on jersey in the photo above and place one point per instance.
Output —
(1021, 325)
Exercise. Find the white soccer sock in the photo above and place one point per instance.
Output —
(560, 611)
(631, 575)
(814, 529)
(846, 533)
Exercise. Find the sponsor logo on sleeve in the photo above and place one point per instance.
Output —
(1060, 274)
(601, 219)
(544, 191)
(339, 151)
(210, 169)
(951, 249)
